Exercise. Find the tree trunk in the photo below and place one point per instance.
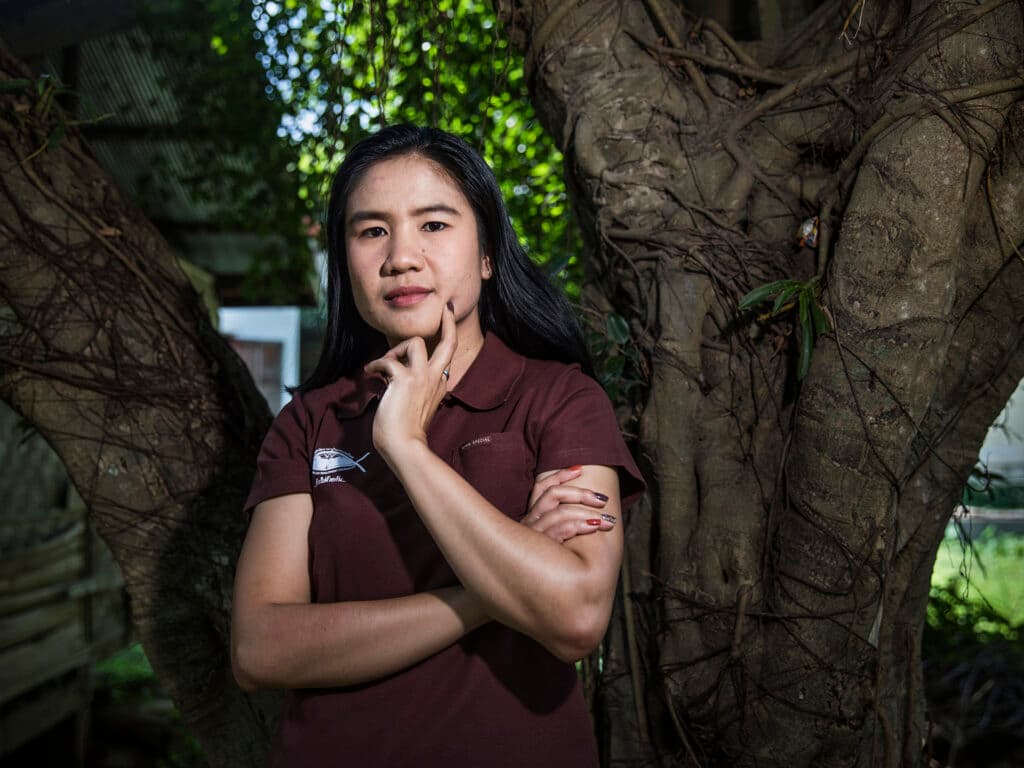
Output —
(778, 575)
(778, 572)
(108, 352)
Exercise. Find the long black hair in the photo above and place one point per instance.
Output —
(518, 302)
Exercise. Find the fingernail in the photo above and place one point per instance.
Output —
(593, 521)
(575, 468)
(608, 518)
(451, 307)
(601, 496)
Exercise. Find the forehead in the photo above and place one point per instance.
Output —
(405, 182)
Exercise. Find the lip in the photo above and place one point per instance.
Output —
(406, 295)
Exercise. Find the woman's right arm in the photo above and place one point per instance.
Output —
(279, 639)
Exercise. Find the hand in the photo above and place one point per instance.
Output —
(416, 385)
(561, 511)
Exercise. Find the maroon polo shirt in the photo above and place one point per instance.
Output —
(496, 698)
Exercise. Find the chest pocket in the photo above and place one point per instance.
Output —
(501, 467)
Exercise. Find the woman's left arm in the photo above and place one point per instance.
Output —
(559, 594)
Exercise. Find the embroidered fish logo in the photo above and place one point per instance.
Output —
(329, 460)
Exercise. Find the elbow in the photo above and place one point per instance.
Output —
(580, 636)
(247, 666)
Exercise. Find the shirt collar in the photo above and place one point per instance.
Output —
(354, 394)
(491, 376)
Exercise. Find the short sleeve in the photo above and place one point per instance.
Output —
(283, 463)
(578, 426)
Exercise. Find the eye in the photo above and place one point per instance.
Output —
(435, 226)
(373, 232)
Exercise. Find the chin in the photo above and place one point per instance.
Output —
(410, 328)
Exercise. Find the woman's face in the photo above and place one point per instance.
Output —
(412, 246)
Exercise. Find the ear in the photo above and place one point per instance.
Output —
(485, 267)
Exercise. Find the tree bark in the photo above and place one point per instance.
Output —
(108, 352)
(780, 570)
(777, 572)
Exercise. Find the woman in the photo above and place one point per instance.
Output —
(434, 537)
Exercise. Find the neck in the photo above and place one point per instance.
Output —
(465, 353)
(470, 340)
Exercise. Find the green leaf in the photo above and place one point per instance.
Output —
(614, 366)
(806, 334)
(16, 84)
(556, 266)
(764, 292)
(821, 323)
(783, 297)
(56, 135)
(618, 329)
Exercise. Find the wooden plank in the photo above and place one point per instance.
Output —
(27, 665)
(19, 627)
(39, 710)
(67, 569)
(110, 620)
(21, 600)
(17, 561)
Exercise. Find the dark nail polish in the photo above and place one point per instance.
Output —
(593, 521)
(451, 307)
(608, 518)
(601, 496)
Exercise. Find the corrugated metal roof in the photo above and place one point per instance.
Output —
(120, 75)
(119, 72)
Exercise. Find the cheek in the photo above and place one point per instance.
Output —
(360, 287)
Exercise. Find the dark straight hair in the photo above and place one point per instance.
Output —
(518, 303)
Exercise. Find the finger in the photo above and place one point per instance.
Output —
(553, 478)
(387, 367)
(416, 352)
(574, 528)
(571, 494)
(573, 519)
(561, 497)
(559, 477)
(400, 351)
(445, 349)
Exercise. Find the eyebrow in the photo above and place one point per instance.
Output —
(380, 216)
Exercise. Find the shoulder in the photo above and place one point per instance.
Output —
(572, 421)
(345, 397)
(556, 381)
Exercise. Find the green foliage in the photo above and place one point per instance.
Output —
(127, 680)
(976, 597)
(985, 488)
(239, 170)
(957, 624)
(286, 86)
(617, 359)
(786, 295)
(126, 669)
(45, 91)
(343, 69)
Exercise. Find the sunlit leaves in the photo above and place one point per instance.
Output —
(287, 86)
(344, 69)
(235, 169)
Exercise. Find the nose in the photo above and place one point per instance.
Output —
(404, 254)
